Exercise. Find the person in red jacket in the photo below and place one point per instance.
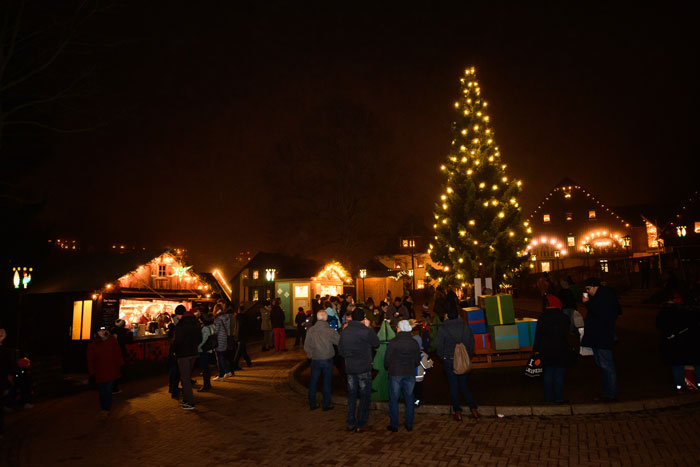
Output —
(104, 362)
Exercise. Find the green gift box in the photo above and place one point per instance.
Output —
(504, 337)
(498, 309)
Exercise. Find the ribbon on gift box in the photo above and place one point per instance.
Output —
(483, 341)
(477, 322)
(500, 313)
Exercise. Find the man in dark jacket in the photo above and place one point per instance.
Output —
(396, 312)
(599, 332)
(356, 343)
(277, 319)
(568, 302)
(242, 333)
(453, 331)
(552, 347)
(401, 359)
(188, 335)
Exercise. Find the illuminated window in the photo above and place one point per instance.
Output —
(545, 266)
(161, 270)
(591, 214)
(256, 295)
(420, 284)
(546, 218)
(397, 265)
(255, 275)
(604, 265)
(408, 243)
(570, 241)
(82, 320)
(569, 216)
(268, 294)
(301, 291)
(420, 262)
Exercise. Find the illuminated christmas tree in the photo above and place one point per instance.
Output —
(478, 225)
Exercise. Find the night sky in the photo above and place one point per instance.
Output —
(244, 126)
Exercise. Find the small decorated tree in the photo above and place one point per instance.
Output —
(380, 383)
(478, 225)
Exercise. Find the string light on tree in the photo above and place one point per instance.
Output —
(494, 240)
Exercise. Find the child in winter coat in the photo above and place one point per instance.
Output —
(104, 359)
(425, 363)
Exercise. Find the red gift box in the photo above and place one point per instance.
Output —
(482, 341)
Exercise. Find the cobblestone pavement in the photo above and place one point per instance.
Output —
(254, 419)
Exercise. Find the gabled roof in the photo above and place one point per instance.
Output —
(87, 273)
(287, 267)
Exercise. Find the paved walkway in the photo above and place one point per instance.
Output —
(254, 419)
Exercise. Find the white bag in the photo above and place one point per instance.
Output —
(584, 351)
(577, 318)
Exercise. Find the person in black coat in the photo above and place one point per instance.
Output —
(453, 331)
(277, 319)
(188, 336)
(299, 320)
(401, 359)
(680, 340)
(552, 347)
(244, 332)
(599, 332)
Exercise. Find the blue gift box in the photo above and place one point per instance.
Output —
(476, 320)
(526, 331)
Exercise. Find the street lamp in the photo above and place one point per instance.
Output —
(270, 274)
(557, 253)
(363, 274)
(587, 248)
(681, 231)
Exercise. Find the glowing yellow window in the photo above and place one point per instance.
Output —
(591, 214)
(546, 218)
(82, 320)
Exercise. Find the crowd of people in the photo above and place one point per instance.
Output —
(335, 331)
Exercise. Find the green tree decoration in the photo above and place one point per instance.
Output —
(478, 224)
(380, 383)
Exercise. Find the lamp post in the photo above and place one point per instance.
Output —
(363, 274)
(681, 231)
(587, 250)
(557, 253)
(626, 242)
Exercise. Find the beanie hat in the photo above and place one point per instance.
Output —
(404, 326)
(120, 323)
(592, 282)
(553, 301)
(357, 314)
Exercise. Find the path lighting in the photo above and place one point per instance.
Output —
(270, 274)
(681, 231)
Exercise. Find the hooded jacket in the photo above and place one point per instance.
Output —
(551, 338)
(599, 324)
(451, 332)
(104, 359)
(188, 335)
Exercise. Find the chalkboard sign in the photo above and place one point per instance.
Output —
(110, 312)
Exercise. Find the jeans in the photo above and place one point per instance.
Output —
(359, 384)
(457, 384)
(186, 364)
(105, 390)
(222, 363)
(241, 352)
(604, 359)
(553, 377)
(401, 384)
(204, 366)
(418, 391)
(323, 368)
(301, 335)
(268, 340)
(174, 379)
(678, 372)
(279, 339)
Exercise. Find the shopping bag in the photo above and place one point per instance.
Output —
(584, 351)
(533, 369)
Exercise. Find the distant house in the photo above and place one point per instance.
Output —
(376, 280)
(70, 300)
(292, 279)
(572, 227)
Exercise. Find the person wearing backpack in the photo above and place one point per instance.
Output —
(454, 331)
(206, 350)
(401, 359)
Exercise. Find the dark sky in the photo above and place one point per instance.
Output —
(206, 101)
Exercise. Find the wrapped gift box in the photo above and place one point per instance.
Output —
(498, 309)
(476, 320)
(482, 341)
(504, 336)
(526, 331)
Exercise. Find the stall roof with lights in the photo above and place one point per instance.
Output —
(286, 267)
(90, 272)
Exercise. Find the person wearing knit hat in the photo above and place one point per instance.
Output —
(401, 359)
(356, 343)
(551, 346)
